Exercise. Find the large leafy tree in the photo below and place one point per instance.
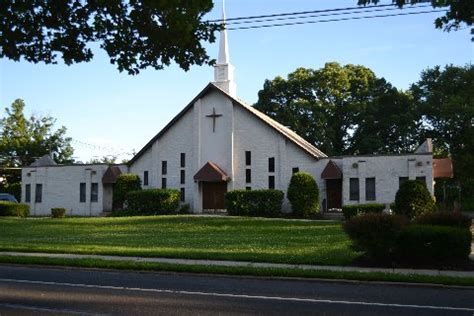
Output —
(23, 140)
(341, 109)
(459, 12)
(135, 33)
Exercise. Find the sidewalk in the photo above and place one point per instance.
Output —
(247, 264)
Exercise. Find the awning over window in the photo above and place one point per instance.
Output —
(211, 172)
(443, 168)
(331, 171)
(111, 174)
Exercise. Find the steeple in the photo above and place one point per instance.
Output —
(223, 70)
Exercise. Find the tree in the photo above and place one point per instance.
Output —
(110, 160)
(23, 140)
(341, 109)
(459, 12)
(135, 34)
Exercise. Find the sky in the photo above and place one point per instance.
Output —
(111, 113)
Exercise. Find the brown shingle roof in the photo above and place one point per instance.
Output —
(111, 174)
(443, 168)
(211, 172)
(332, 171)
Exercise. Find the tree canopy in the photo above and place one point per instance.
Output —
(135, 34)
(23, 140)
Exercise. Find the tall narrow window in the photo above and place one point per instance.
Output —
(370, 189)
(183, 160)
(182, 176)
(421, 179)
(354, 189)
(248, 158)
(164, 167)
(82, 192)
(296, 170)
(271, 164)
(28, 193)
(163, 183)
(39, 193)
(402, 180)
(248, 175)
(271, 182)
(182, 196)
(145, 177)
(94, 192)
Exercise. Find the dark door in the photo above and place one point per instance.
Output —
(334, 193)
(213, 195)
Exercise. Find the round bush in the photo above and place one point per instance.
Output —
(126, 182)
(413, 199)
(303, 193)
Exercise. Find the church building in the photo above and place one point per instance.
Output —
(217, 143)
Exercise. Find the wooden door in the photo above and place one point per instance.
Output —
(334, 193)
(213, 195)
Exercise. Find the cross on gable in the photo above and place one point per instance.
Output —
(214, 116)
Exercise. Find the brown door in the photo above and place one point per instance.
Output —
(334, 193)
(213, 195)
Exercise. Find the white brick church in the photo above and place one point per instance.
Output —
(217, 143)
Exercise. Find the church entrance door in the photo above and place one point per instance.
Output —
(213, 195)
(334, 193)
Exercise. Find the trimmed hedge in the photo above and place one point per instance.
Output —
(58, 212)
(303, 194)
(376, 234)
(428, 243)
(126, 182)
(453, 219)
(265, 203)
(352, 210)
(153, 201)
(14, 209)
(413, 199)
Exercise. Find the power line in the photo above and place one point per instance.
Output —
(332, 20)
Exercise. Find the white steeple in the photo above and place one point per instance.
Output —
(223, 70)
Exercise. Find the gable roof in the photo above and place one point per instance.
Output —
(211, 172)
(44, 161)
(111, 174)
(281, 129)
(331, 171)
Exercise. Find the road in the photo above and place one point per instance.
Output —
(26, 290)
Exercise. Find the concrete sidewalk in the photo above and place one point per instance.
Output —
(245, 264)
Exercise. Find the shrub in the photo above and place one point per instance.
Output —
(352, 210)
(266, 203)
(14, 209)
(126, 183)
(58, 212)
(413, 199)
(185, 209)
(153, 201)
(375, 234)
(467, 205)
(303, 193)
(453, 219)
(427, 243)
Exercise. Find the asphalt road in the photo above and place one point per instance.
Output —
(49, 291)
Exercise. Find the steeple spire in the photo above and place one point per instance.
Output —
(223, 70)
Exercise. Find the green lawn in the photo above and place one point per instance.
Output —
(226, 238)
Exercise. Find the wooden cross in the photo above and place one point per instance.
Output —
(214, 116)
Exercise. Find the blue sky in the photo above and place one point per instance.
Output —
(110, 113)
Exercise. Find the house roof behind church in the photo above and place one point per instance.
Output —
(281, 129)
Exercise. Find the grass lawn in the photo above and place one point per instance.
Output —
(194, 237)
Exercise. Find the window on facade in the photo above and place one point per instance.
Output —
(145, 178)
(402, 180)
(271, 164)
(163, 183)
(354, 189)
(295, 170)
(248, 175)
(182, 196)
(421, 179)
(164, 167)
(248, 158)
(82, 192)
(182, 176)
(370, 189)
(271, 182)
(183, 160)
(39, 193)
(248, 188)
(28, 193)
(94, 192)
